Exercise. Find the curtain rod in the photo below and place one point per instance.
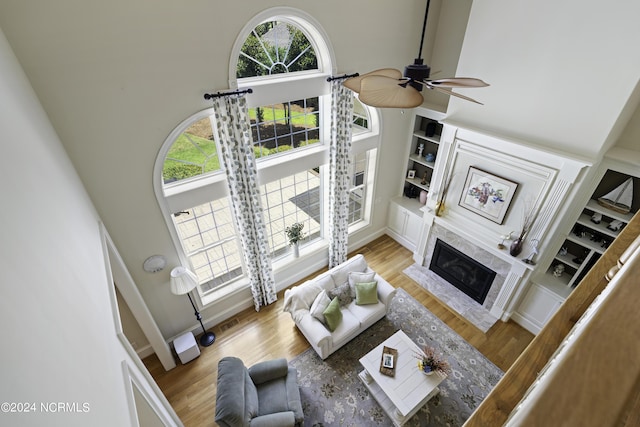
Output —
(209, 96)
(346, 76)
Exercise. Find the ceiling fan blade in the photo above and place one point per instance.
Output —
(452, 93)
(386, 92)
(457, 82)
(354, 83)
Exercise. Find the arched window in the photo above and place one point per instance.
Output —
(284, 56)
(275, 47)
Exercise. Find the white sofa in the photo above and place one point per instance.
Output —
(299, 302)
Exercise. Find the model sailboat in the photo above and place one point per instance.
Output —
(620, 198)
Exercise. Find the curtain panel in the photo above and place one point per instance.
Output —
(339, 171)
(236, 155)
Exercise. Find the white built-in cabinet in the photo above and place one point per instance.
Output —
(405, 223)
(405, 211)
(539, 303)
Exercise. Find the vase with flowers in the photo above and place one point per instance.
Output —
(294, 235)
(429, 362)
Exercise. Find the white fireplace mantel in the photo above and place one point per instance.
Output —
(544, 181)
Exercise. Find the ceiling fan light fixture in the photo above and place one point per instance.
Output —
(417, 71)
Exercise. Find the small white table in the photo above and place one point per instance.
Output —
(402, 395)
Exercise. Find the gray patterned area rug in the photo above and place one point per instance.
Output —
(332, 394)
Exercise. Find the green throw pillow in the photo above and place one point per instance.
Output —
(332, 314)
(367, 293)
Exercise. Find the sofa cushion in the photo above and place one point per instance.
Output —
(359, 277)
(341, 272)
(367, 293)
(272, 396)
(343, 293)
(366, 314)
(332, 314)
(319, 305)
(347, 329)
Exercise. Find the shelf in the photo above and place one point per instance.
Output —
(587, 243)
(557, 283)
(568, 260)
(417, 183)
(422, 135)
(593, 205)
(600, 228)
(420, 160)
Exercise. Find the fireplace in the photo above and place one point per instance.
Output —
(462, 271)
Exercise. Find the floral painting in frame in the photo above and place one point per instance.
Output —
(487, 195)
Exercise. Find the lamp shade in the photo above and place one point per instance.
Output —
(182, 280)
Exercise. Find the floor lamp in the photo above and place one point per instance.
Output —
(184, 281)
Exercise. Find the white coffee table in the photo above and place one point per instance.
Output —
(402, 395)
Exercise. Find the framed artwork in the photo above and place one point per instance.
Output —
(487, 195)
(411, 174)
(387, 360)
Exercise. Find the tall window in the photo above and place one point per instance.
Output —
(288, 129)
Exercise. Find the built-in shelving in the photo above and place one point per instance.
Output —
(425, 140)
(584, 244)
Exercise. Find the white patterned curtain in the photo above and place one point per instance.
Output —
(234, 138)
(339, 171)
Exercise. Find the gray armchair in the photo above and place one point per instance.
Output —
(265, 395)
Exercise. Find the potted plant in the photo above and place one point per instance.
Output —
(429, 362)
(294, 235)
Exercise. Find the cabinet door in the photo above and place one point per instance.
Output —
(397, 218)
(413, 226)
(537, 307)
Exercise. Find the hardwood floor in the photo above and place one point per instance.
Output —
(270, 333)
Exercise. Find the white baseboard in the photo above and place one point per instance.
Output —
(525, 323)
(145, 351)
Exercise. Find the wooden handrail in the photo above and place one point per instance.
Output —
(510, 390)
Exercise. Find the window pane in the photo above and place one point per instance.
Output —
(275, 47)
(360, 118)
(290, 200)
(357, 191)
(282, 127)
(209, 241)
(193, 153)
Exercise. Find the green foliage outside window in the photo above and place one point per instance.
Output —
(275, 48)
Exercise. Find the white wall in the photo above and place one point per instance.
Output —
(560, 72)
(116, 77)
(59, 340)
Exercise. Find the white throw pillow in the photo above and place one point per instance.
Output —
(319, 305)
(341, 272)
(356, 277)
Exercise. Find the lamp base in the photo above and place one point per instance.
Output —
(207, 339)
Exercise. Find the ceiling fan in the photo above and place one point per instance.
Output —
(388, 87)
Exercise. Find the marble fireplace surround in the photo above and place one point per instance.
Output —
(494, 305)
